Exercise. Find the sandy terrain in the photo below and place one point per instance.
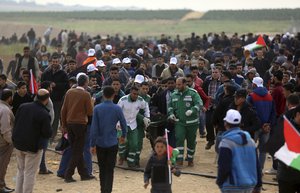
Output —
(192, 15)
(131, 181)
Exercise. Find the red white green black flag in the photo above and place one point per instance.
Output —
(289, 153)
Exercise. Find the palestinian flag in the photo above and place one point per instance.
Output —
(255, 45)
(32, 85)
(289, 153)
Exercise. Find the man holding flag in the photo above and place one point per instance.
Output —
(288, 173)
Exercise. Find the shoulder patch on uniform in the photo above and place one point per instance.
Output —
(175, 93)
(124, 98)
(140, 98)
(193, 90)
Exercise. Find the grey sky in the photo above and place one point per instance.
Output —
(200, 5)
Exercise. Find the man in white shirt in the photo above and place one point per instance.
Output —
(131, 105)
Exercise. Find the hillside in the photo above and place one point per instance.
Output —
(261, 14)
(147, 23)
(99, 15)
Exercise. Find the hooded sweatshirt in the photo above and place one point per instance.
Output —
(238, 166)
(263, 104)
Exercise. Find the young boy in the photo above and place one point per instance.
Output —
(157, 169)
(21, 96)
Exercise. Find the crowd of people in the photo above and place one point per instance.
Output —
(107, 94)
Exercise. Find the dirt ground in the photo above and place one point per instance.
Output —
(131, 181)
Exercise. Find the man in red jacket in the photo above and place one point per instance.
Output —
(278, 94)
(280, 107)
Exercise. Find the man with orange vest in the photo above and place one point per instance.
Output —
(91, 59)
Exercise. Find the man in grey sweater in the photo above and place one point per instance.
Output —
(46, 85)
(6, 147)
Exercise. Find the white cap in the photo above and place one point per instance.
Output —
(116, 61)
(140, 51)
(139, 78)
(233, 117)
(91, 52)
(126, 61)
(108, 47)
(91, 68)
(79, 74)
(258, 81)
(100, 63)
(173, 60)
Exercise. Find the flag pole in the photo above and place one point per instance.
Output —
(168, 155)
(11, 82)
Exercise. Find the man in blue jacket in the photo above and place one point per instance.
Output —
(264, 105)
(104, 137)
(238, 165)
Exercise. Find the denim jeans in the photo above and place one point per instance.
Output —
(57, 108)
(87, 156)
(262, 140)
(218, 140)
(43, 166)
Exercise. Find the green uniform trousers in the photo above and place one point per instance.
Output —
(129, 148)
(189, 133)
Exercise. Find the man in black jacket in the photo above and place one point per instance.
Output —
(59, 82)
(220, 111)
(31, 131)
(276, 140)
(250, 121)
(159, 110)
(289, 178)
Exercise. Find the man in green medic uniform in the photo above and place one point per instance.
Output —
(143, 92)
(131, 105)
(183, 109)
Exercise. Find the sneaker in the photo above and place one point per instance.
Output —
(46, 172)
(89, 177)
(9, 189)
(271, 171)
(60, 176)
(209, 145)
(6, 190)
(69, 180)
